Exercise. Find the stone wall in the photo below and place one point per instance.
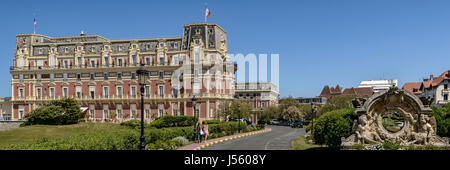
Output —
(7, 125)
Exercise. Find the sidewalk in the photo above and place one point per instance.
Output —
(198, 146)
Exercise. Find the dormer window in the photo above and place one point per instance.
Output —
(134, 46)
(106, 47)
(40, 50)
(66, 50)
(79, 48)
(22, 51)
(53, 49)
(175, 45)
(120, 48)
(161, 45)
(197, 41)
(92, 49)
(148, 46)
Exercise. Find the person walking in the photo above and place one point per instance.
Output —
(199, 132)
(205, 130)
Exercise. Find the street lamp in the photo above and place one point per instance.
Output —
(313, 112)
(194, 103)
(142, 78)
(239, 122)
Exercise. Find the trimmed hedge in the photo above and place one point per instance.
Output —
(332, 126)
(58, 112)
(128, 138)
(173, 121)
(212, 121)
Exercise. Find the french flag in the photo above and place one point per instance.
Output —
(207, 14)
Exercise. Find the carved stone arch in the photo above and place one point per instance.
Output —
(52, 84)
(414, 117)
(105, 83)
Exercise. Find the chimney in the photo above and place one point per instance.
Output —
(82, 33)
(431, 77)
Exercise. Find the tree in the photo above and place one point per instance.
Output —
(335, 103)
(269, 113)
(58, 112)
(442, 116)
(229, 110)
(292, 113)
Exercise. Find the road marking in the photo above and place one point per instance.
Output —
(216, 142)
(220, 140)
(198, 148)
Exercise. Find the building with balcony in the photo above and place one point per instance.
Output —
(257, 94)
(434, 87)
(101, 73)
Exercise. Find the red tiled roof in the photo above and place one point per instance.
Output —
(362, 91)
(411, 86)
(328, 92)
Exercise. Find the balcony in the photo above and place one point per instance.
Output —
(446, 91)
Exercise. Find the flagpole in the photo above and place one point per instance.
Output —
(206, 7)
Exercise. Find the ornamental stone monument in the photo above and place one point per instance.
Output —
(394, 116)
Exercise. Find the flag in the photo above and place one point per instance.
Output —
(207, 14)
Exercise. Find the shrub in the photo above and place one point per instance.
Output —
(173, 121)
(442, 116)
(391, 145)
(182, 139)
(132, 124)
(59, 112)
(211, 121)
(331, 126)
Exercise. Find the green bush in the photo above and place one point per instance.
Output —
(212, 121)
(59, 112)
(173, 121)
(332, 126)
(442, 116)
(391, 145)
(132, 124)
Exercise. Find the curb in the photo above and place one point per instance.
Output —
(231, 138)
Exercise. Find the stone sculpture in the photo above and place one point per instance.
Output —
(416, 125)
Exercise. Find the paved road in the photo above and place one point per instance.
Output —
(280, 138)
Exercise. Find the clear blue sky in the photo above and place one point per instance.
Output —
(320, 42)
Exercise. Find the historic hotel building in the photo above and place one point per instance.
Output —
(101, 73)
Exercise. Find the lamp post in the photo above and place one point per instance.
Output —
(142, 78)
(239, 121)
(194, 103)
(313, 112)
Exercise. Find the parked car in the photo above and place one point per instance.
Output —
(297, 124)
(248, 122)
(284, 123)
(274, 122)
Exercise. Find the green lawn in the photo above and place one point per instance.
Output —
(30, 134)
(300, 144)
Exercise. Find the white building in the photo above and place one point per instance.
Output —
(379, 85)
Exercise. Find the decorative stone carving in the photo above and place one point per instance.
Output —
(394, 116)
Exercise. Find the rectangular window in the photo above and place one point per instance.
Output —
(161, 58)
(147, 60)
(79, 61)
(161, 91)
(52, 92)
(65, 92)
(175, 92)
(105, 77)
(445, 97)
(78, 76)
(133, 58)
(147, 111)
(119, 62)
(39, 64)
(105, 92)
(21, 92)
(119, 76)
(65, 76)
(119, 91)
(78, 91)
(133, 76)
(105, 112)
(445, 86)
(52, 77)
(161, 110)
(175, 109)
(161, 74)
(133, 91)
(92, 91)
(38, 90)
(107, 61)
(119, 111)
(38, 77)
(196, 56)
(133, 111)
(21, 111)
(92, 63)
(92, 76)
(66, 64)
(147, 91)
(176, 60)
(21, 77)
(92, 111)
